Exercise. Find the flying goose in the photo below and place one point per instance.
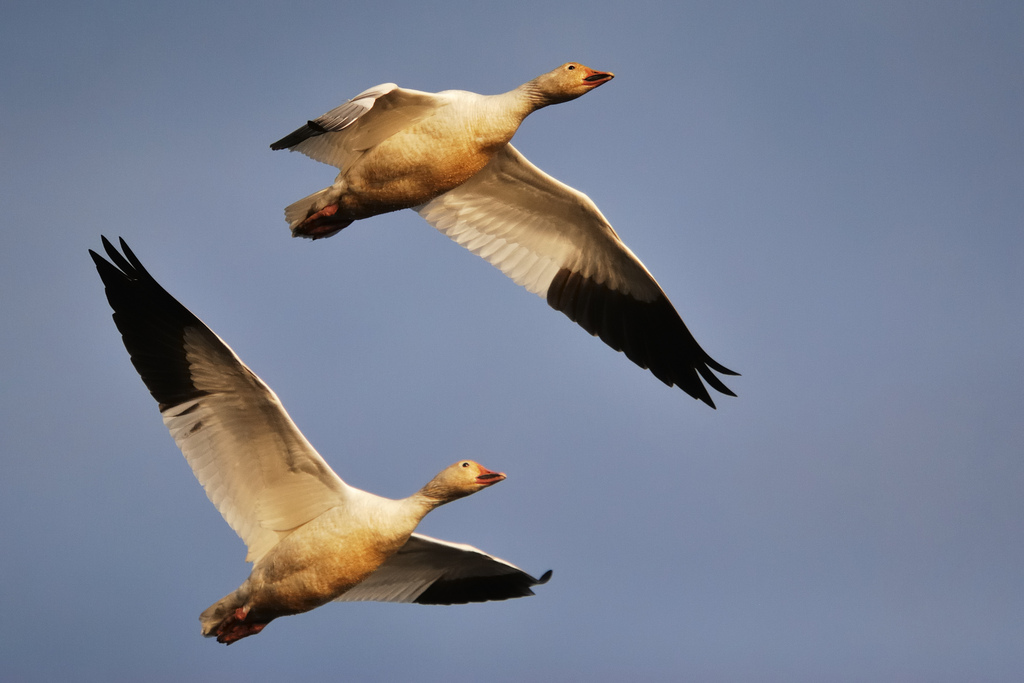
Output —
(447, 156)
(311, 537)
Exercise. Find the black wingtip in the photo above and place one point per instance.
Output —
(650, 333)
(288, 140)
(118, 261)
(316, 127)
(719, 368)
(310, 130)
(461, 591)
(152, 324)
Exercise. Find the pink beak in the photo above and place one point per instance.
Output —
(487, 477)
(596, 78)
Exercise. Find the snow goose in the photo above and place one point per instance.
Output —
(447, 155)
(312, 538)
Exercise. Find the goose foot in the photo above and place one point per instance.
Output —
(233, 627)
(321, 224)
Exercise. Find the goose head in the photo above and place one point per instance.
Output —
(460, 479)
(567, 82)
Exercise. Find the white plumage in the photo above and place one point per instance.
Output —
(448, 156)
(312, 538)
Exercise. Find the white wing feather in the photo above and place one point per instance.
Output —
(258, 469)
(530, 226)
(421, 562)
(374, 115)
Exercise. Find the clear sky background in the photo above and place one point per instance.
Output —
(831, 194)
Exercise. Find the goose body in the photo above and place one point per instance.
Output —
(311, 537)
(448, 156)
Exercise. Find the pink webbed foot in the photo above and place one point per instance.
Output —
(321, 224)
(234, 628)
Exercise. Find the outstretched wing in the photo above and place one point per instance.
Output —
(429, 571)
(256, 466)
(553, 240)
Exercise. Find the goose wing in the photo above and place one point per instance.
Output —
(553, 240)
(255, 465)
(430, 571)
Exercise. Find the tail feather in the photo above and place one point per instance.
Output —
(214, 615)
(302, 209)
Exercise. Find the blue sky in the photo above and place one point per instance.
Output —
(832, 195)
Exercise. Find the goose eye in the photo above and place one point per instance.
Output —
(465, 464)
(571, 67)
